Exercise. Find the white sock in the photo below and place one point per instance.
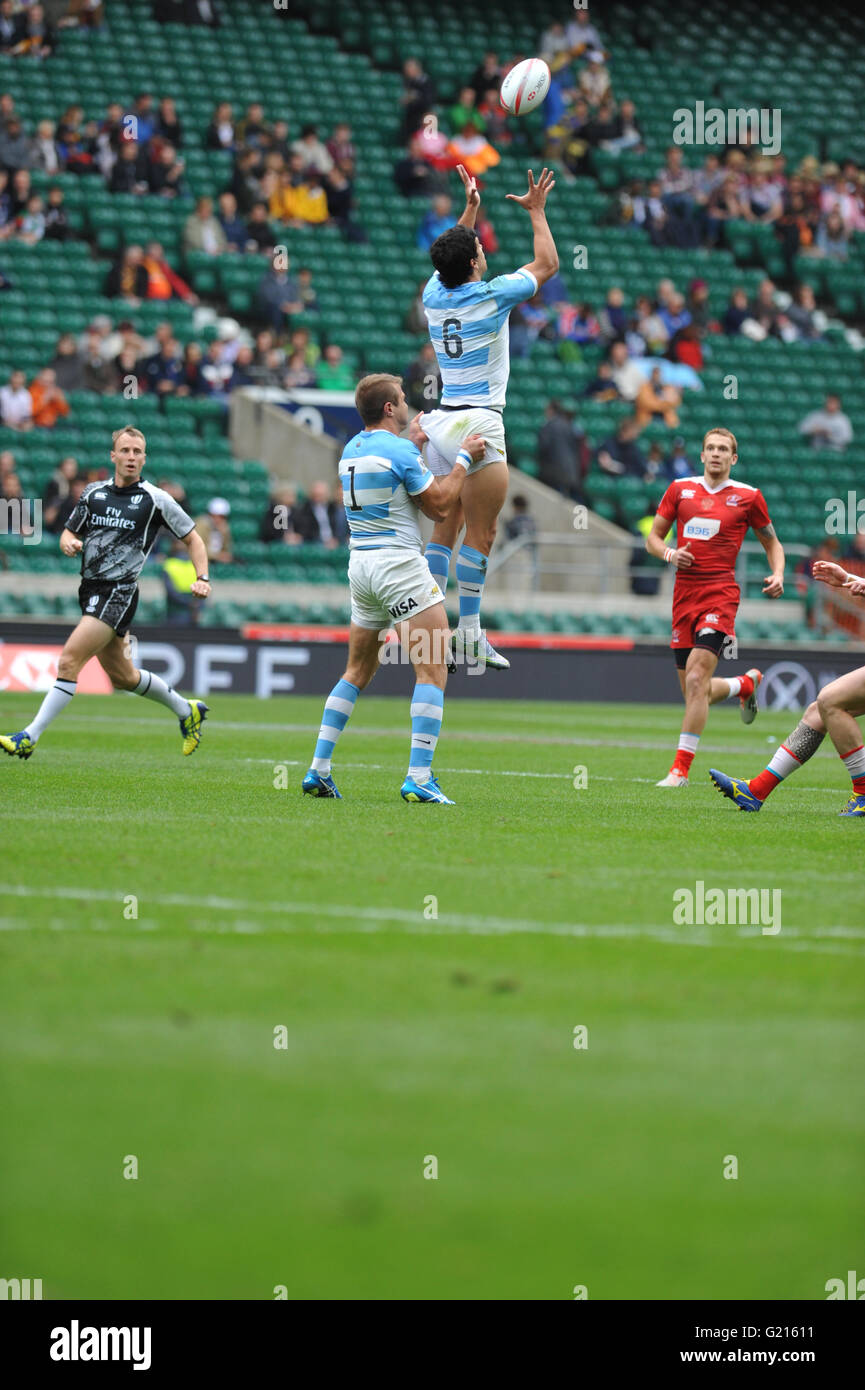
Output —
(735, 684)
(154, 688)
(57, 699)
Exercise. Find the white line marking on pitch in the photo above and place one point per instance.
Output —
(371, 919)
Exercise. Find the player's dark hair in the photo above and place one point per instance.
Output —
(373, 393)
(452, 254)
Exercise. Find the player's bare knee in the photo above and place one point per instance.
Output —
(68, 667)
(813, 718)
(698, 683)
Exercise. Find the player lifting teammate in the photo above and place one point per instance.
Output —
(712, 515)
(384, 481)
(113, 528)
(468, 325)
(834, 712)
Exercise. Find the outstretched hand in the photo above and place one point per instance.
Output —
(473, 198)
(536, 197)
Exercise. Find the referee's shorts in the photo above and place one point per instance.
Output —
(110, 602)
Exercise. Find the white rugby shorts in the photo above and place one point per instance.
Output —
(448, 428)
(389, 585)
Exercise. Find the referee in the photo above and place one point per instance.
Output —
(113, 528)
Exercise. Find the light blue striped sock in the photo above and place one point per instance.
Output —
(427, 708)
(471, 572)
(337, 708)
(438, 557)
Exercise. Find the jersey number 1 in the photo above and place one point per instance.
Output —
(354, 502)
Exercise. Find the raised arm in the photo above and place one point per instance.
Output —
(473, 198)
(546, 258)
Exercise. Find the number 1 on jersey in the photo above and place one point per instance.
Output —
(354, 502)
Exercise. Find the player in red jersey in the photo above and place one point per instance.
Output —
(711, 515)
(834, 711)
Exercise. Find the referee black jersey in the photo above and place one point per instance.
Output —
(118, 526)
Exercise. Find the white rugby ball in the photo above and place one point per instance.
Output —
(525, 86)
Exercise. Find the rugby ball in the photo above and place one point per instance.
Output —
(525, 86)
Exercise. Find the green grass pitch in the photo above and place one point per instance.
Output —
(412, 1035)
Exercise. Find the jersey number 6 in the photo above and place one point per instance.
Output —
(453, 343)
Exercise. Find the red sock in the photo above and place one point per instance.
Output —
(764, 783)
(747, 687)
(683, 761)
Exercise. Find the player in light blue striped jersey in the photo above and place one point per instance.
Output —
(468, 325)
(384, 482)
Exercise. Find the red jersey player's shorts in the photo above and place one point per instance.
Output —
(710, 603)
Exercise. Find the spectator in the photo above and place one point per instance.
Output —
(260, 236)
(340, 146)
(298, 374)
(168, 126)
(422, 382)
(620, 453)
(314, 160)
(299, 197)
(182, 607)
(19, 194)
(558, 451)
(495, 118)
(316, 519)
(436, 220)
(100, 375)
(128, 278)
(487, 75)
(581, 35)
(650, 328)
(162, 281)
(15, 148)
(11, 26)
(49, 402)
(613, 318)
(675, 314)
(419, 172)
(736, 313)
(300, 341)
(418, 96)
(832, 237)
(129, 174)
(837, 196)
(192, 381)
(165, 173)
(796, 225)
(828, 428)
(202, 231)
(5, 204)
(594, 80)
(220, 133)
(30, 224)
(216, 371)
(471, 148)
(163, 372)
(57, 490)
(802, 313)
(697, 305)
(554, 46)
(43, 150)
(465, 109)
(764, 202)
(577, 324)
(280, 520)
(96, 333)
(278, 297)
(215, 531)
(67, 364)
(142, 120)
(627, 376)
(724, 204)
(685, 347)
(340, 201)
(16, 403)
(306, 291)
(37, 37)
(241, 370)
(233, 226)
(334, 374)
(678, 463)
(655, 399)
(602, 387)
(650, 215)
(521, 522)
(253, 132)
(625, 133)
(57, 226)
(763, 311)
